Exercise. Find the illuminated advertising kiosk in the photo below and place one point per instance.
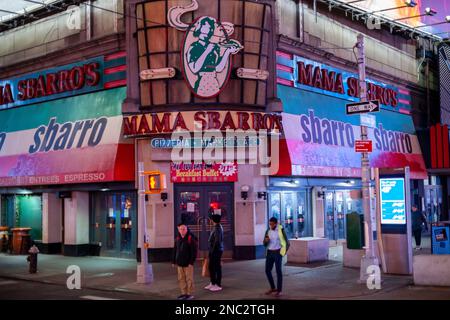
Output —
(394, 219)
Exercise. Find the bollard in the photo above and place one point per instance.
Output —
(32, 258)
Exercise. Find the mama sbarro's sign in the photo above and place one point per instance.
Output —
(169, 122)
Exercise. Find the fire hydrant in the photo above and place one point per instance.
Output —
(32, 258)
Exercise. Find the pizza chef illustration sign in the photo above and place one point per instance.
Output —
(206, 51)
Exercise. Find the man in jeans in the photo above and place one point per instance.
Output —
(185, 253)
(277, 244)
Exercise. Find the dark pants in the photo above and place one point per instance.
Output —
(215, 267)
(274, 257)
(418, 236)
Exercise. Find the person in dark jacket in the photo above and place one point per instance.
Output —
(417, 219)
(215, 254)
(184, 255)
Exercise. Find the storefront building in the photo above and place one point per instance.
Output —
(66, 172)
(322, 184)
(185, 96)
(278, 79)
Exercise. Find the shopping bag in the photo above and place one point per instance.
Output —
(205, 268)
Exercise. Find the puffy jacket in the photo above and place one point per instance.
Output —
(185, 250)
(216, 239)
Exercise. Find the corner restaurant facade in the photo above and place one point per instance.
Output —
(65, 170)
(321, 183)
(317, 182)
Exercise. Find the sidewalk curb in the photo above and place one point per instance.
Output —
(96, 288)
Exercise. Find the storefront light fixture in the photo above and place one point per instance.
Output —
(262, 195)
(164, 196)
(430, 11)
(410, 3)
(244, 191)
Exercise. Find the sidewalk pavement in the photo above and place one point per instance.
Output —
(241, 279)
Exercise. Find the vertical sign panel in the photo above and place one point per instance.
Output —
(392, 198)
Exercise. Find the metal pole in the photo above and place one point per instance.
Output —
(369, 257)
(144, 269)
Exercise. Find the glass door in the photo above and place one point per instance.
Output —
(292, 210)
(189, 205)
(289, 213)
(23, 211)
(219, 203)
(340, 215)
(338, 204)
(275, 205)
(330, 213)
(113, 223)
(195, 203)
(433, 203)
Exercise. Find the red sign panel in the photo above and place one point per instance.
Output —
(363, 146)
(203, 172)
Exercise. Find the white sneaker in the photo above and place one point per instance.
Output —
(215, 288)
(209, 286)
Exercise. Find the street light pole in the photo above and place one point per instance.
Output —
(144, 269)
(369, 257)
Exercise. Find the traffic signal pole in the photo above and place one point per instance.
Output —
(369, 257)
(144, 269)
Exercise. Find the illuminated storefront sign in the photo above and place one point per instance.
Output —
(91, 75)
(168, 122)
(162, 143)
(203, 172)
(70, 140)
(302, 73)
(321, 78)
(320, 136)
(62, 81)
(207, 50)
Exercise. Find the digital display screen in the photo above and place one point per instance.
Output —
(392, 201)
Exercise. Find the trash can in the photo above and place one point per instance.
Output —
(355, 230)
(4, 239)
(21, 240)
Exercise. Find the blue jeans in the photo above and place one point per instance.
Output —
(274, 257)
(215, 267)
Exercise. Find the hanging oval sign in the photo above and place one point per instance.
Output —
(206, 51)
